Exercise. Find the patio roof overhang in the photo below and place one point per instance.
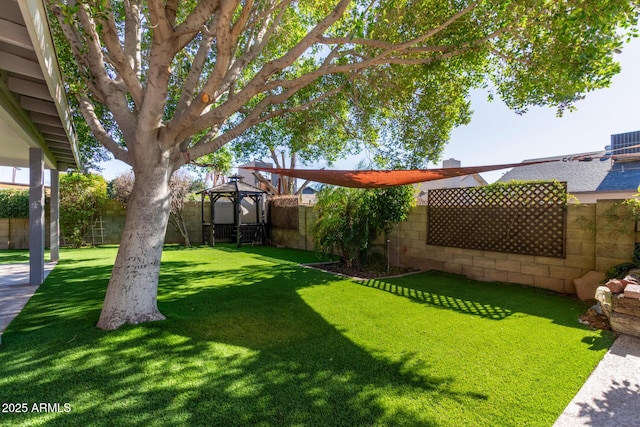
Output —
(34, 112)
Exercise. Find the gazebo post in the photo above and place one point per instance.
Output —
(212, 229)
(239, 218)
(202, 216)
(255, 200)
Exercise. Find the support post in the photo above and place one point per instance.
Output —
(239, 219)
(54, 216)
(36, 216)
(212, 230)
(202, 217)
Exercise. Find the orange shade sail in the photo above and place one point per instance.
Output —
(384, 178)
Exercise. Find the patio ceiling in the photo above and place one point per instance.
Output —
(33, 107)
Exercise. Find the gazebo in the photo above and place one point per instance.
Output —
(241, 222)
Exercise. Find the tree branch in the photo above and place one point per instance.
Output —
(125, 66)
(88, 111)
(186, 124)
(254, 117)
(198, 17)
(133, 36)
(195, 73)
(265, 181)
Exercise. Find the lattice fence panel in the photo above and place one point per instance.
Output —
(522, 219)
(283, 212)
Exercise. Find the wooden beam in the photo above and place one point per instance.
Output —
(67, 158)
(38, 106)
(55, 138)
(58, 145)
(64, 157)
(52, 130)
(18, 65)
(15, 35)
(10, 11)
(29, 88)
(45, 119)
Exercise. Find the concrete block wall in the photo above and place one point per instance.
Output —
(598, 236)
(192, 215)
(298, 239)
(615, 234)
(114, 215)
(14, 232)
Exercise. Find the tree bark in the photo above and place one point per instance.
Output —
(131, 296)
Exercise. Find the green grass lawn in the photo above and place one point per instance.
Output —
(16, 256)
(254, 339)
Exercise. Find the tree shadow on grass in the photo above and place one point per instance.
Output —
(250, 352)
(283, 254)
(490, 300)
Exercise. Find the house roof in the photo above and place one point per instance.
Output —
(33, 107)
(594, 173)
(472, 180)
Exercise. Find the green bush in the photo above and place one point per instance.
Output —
(342, 223)
(349, 219)
(14, 203)
(621, 270)
(81, 198)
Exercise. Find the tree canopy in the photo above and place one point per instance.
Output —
(391, 74)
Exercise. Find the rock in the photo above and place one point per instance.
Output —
(596, 307)
(616, 285)
(635, 272)
(586, 285)
(632, 291)
(603, 295)
(593, 319)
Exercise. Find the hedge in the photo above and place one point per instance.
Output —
(14, 203)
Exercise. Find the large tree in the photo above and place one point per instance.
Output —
(162, 83)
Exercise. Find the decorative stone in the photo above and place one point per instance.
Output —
(632, 291)
(616, 285)
(603, 295)
(625, 324)
(630, 306)
(634, 272)
(586, 285)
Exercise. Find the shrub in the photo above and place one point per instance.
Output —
(349, 219)
(81, 198)
(14, 203)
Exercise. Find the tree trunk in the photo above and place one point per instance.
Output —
(132, 292)
(177, 221)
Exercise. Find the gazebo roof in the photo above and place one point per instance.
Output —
(234, 186)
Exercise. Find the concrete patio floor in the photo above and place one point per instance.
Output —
(610, 396)
(15, 290)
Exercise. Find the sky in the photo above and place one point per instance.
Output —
(498, 135)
